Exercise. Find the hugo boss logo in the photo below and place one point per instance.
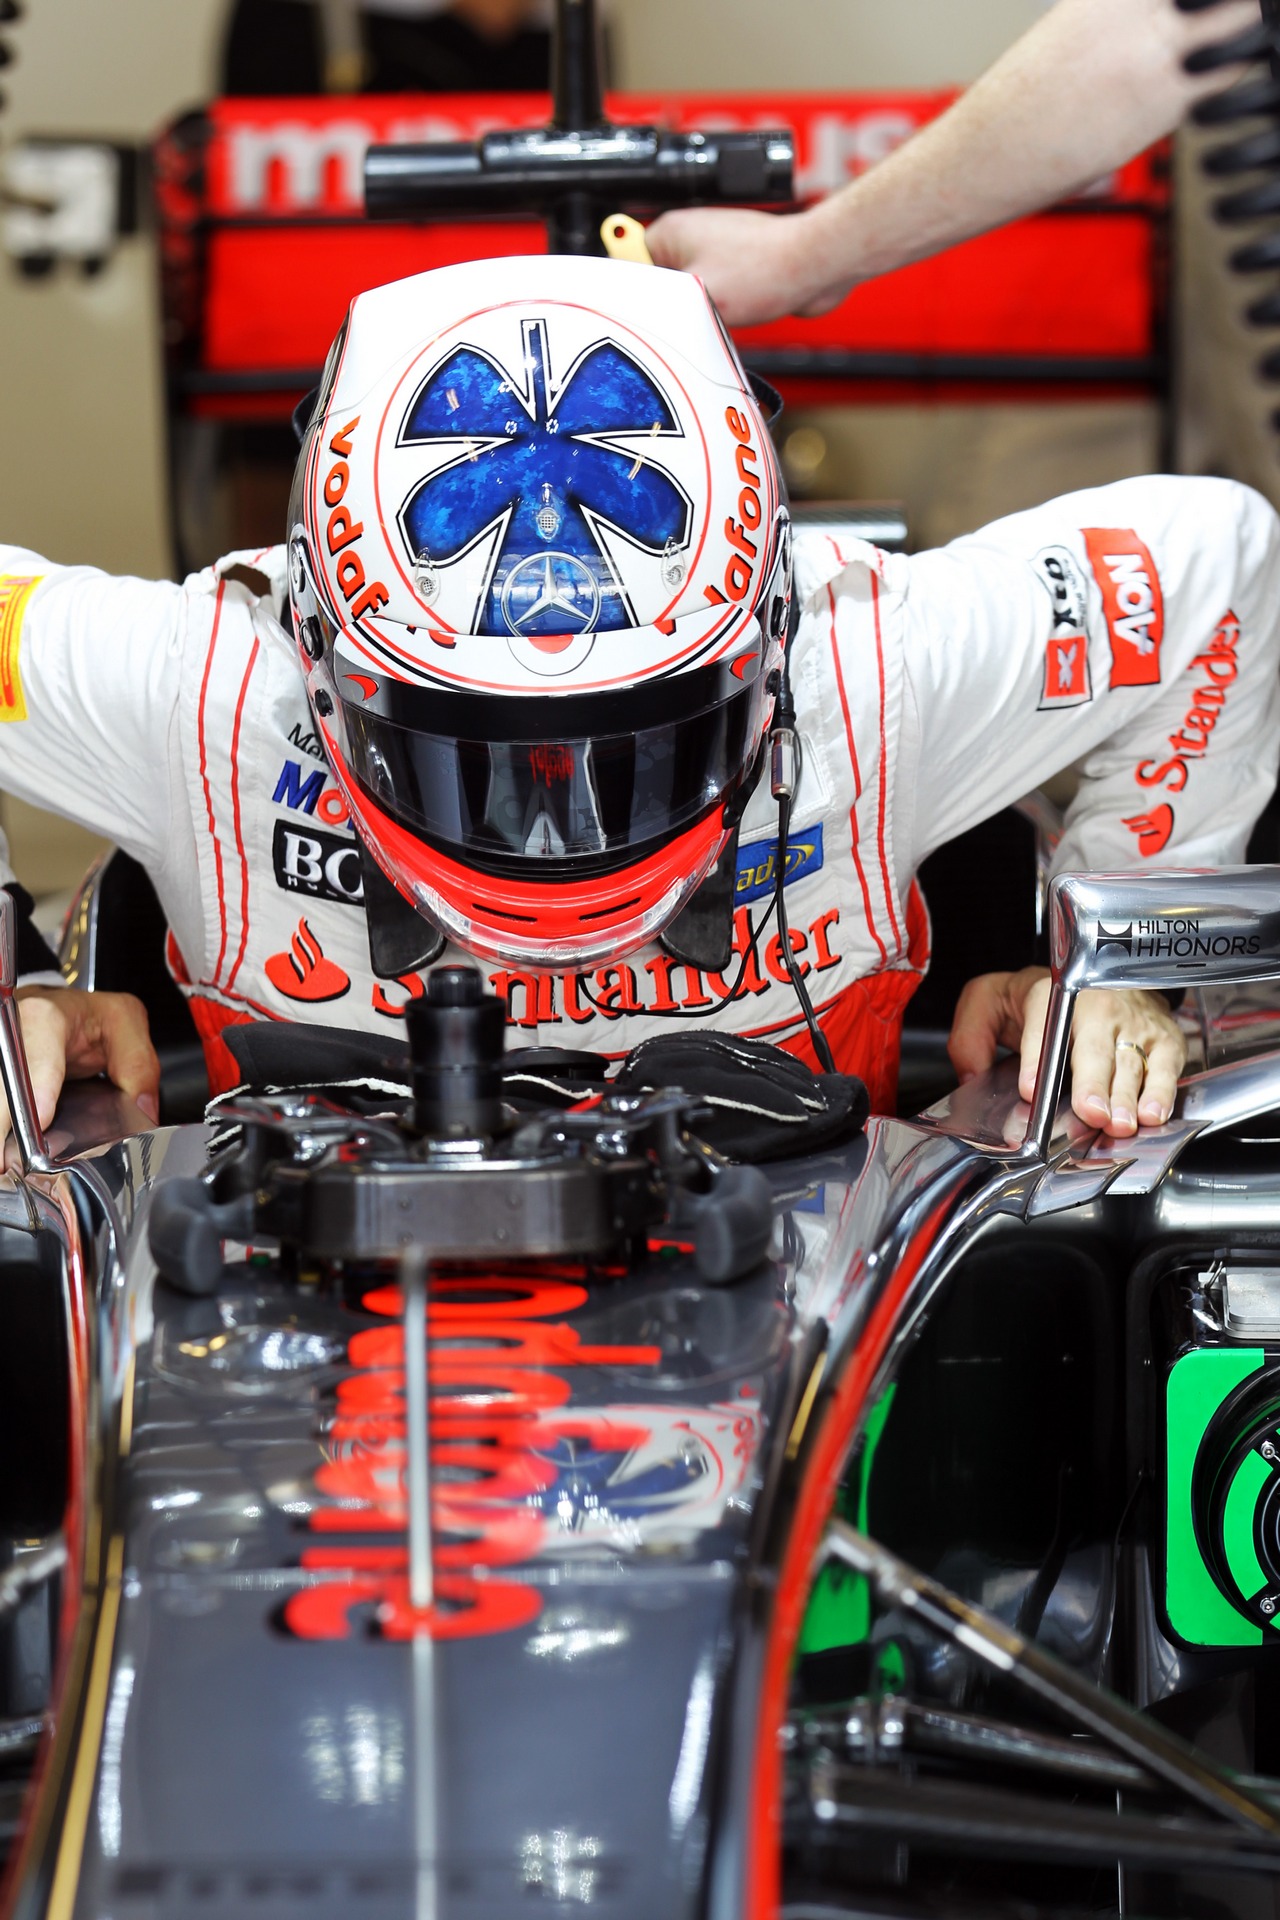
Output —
(324, 866)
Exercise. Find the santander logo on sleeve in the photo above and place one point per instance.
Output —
(1132, 601)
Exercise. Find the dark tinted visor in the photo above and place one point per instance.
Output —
(579, 800)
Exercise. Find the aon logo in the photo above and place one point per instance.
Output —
(1132, 601)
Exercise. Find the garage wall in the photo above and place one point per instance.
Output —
(813, 43)
(80, 353)
(89, 351)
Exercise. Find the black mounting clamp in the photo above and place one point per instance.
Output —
(580, 168)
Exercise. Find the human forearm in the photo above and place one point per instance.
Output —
(1091, 84)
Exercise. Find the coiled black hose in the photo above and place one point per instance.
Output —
(1252, 155)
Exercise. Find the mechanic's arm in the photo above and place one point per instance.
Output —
(1135, 628)
(1091, 84)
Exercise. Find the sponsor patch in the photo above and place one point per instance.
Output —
(306, 742)
(307, 793)
(1152, 829)
(324, 866)
(1132, 601)
(1217, 668)
(1182, 938)
(1059, 570)
(1066, 672)
(15, 591)
(758, 864)
(302, 971)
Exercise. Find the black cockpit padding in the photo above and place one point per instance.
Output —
(276, 1054)
(761, 1103)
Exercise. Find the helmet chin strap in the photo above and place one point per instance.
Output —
(701, 935)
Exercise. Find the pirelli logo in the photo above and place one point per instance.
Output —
(15, 591)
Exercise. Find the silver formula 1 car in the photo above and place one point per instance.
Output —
(414, 1509)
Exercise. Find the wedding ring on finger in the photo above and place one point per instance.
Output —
(1132, 1047)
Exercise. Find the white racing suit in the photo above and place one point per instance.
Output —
(1134, 628)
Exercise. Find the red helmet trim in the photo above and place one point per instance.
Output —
(554, 910)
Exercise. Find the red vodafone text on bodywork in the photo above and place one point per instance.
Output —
(497, 1368)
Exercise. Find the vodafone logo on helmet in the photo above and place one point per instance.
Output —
(1132, 600)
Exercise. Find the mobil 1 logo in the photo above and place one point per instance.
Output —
(324, 866)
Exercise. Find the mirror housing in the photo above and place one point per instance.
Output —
(1172, 928)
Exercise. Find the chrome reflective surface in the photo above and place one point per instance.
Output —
(1232, 1023)
(78, 950)
(1048, 820)
(1082, 1163)
(1173, 927)
(1224, 1096)
(351, 1770)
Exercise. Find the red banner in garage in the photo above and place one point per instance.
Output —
(264, 245)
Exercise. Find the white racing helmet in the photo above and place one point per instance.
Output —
(540, 573)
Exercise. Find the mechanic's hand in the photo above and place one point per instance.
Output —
(755, 266)
(1127, 1049)
(69, 1034)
